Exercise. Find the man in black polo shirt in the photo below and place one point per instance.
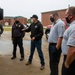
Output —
(36, 29)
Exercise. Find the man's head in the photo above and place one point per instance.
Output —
(16, 18)
(70, 14)
(54, 16)
(34, 18)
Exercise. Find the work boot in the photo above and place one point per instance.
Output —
(42, 67)
(21, 59)
(28, 63)
(13, 58)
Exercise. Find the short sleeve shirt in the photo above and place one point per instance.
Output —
(57, 31)
(68, 38)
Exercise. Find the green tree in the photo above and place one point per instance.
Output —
(29, 21)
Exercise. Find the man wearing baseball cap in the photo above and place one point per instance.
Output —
(36, 30)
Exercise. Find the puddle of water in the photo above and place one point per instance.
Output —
(6, 46)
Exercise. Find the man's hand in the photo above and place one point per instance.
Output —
(66, 65)
(57, 47)
(33, 38)
(70, 56)
(59, 43)
(23, 29)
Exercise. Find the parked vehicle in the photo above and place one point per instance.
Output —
(48, 28)
(47, 31)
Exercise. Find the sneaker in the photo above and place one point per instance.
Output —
(42, 67)
(21, 59)
(28, 63)
(13, 58)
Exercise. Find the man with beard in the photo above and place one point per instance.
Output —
(36, 30)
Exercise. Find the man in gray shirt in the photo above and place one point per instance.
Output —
(55, 39)
(68, 44)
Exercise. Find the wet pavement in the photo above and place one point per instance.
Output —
(6, 46)
(16, 67)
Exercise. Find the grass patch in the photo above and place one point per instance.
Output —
(10, 28)
(7, 28)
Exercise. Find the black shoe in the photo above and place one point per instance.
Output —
(28, 63)
(13, 58)
(21, 59)
(42, 67)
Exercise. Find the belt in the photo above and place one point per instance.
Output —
(53, 43)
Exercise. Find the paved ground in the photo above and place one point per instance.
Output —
(15, 67)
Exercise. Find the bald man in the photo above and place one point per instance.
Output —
(68, 44)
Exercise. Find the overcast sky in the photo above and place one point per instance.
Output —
(27, 8)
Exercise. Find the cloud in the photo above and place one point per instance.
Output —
(29, 7)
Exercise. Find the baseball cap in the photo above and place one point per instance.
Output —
(35, 16)
(15, 17)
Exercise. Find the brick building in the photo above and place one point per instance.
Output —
(45, 16)
(10, 20)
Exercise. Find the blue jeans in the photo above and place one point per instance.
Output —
(54, 56)
(36, 44)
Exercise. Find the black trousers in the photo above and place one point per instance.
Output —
(18, 42)
(54, 56)
(70, 70)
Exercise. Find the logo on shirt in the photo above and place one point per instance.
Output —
(36, 26)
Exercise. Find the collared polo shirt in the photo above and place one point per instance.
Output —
(68, 38)
(57, 31)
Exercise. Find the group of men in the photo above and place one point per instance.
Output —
(18, 32)
(60, 40)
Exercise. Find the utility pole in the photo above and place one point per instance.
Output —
(68, 5)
